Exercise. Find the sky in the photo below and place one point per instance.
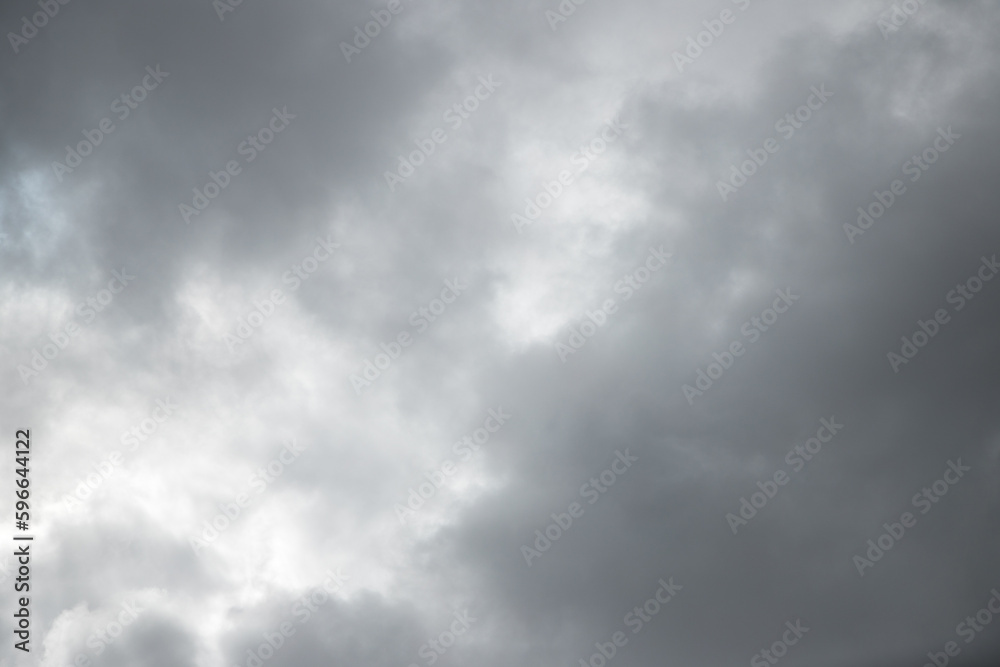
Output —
(550, 333)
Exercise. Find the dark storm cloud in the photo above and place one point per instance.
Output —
(322, 180)
(827, 357)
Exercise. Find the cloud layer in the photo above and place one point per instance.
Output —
(405, 333)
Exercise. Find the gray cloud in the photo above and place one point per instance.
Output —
(270, 536)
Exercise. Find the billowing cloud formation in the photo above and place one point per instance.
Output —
(479, 333)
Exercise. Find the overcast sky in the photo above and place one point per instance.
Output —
(702, 292)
